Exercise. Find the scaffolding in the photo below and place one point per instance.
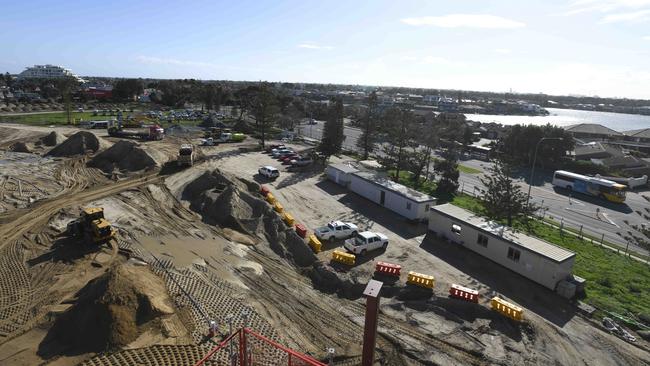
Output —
(247, 348)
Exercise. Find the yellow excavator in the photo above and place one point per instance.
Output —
(92, 224)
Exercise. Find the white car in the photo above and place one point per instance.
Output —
(336, 230)
(280, 152)
(366, 241)
(269, 172)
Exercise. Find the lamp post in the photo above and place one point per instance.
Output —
(532, 171)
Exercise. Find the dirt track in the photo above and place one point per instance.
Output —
(212, 271)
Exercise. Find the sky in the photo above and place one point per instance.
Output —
(584, 47)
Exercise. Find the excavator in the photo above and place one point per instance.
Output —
(92, 224)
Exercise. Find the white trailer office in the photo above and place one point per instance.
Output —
(540, 261)
(340, 173)
(405, 201)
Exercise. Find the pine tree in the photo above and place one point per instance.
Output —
(333, 137)
(448, 169)
(366, 141)
(502, 198)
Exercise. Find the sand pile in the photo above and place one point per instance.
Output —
(233, 203)
(19, 147)
(111, 311)
(124, 155)
(52, 139)
(78, 144)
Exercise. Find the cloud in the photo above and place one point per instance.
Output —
(647, 38)
(604, 6)
(483, 21)
(171, 61)
(632, 17)
(313, 46)
(503, 51)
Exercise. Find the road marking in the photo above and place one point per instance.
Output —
(588, 214)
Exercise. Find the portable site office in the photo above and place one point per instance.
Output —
(396, 197)
(533, 258)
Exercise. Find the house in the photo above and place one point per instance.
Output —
(542, 262)
(595, 150)
(642, 135)
(592, 132)
(396, 197)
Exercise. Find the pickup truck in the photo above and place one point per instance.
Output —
(336, 230)
(366, 241)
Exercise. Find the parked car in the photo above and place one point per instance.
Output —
(286, 159)
(366, 241)
(269, 172)
(302, 161)
(270, 148)
(336, 230)
(282, 153)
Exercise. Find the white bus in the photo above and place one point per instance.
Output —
(593, 186)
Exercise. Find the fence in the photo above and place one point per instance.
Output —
(247, 348)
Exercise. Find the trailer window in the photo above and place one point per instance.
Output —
(455, 228)
(408, 205)
(482, 240)
(513, 254)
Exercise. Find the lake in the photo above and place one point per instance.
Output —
(566, 117)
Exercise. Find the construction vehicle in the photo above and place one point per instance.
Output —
(152, 132)
(186, 155)
(91, 225)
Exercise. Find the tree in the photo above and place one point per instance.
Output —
(333, 136)
(264, 108)
(127, 89)
(502, 198)
(65, 85)
(467, 137)
(366, 141)
(448, 170)
(520, 141)
(398, 124)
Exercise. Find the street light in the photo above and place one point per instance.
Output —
(532, 171)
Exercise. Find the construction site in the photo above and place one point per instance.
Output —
(157, 251)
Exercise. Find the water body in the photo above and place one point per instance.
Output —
(566, 117)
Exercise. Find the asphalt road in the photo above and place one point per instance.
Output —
(597, 218)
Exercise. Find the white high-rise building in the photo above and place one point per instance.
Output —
(48, 72)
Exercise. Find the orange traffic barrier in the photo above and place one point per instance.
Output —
(343, 257)
(314, 243)
(463, 293)
(388, 268)
(508, 309)
(301, 230)
(288, 219)
(420, 279)
(270, 198)
(278, 207)
(264, 190)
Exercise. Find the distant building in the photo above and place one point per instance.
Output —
(642, 135)
(48, 72)
(592, 132)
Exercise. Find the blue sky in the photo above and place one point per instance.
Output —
(590, 47)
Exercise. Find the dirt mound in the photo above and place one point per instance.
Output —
(19, 147)
(233, 203)
(79, 144)
(52, 139)
(124, 155)
(110, 311)
(243, 126)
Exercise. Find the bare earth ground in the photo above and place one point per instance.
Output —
(212, 271)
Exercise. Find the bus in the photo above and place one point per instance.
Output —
(593, 186)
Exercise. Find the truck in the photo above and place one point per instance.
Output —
(336, 230)
(150, 133)
(231, 137)
(91, 225)
(186, 155)
(366, 241)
